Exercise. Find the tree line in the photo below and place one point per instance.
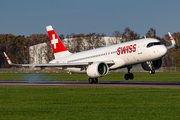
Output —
(17, 47)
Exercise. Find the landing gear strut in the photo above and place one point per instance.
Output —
(129, 75)
(93, 80)
(152, 71)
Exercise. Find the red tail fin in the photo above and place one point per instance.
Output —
(58, 48)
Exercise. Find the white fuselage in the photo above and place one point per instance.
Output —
(123, 54)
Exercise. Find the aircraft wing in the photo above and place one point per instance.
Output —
(78, 64)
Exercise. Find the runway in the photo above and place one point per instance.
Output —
(119, 84)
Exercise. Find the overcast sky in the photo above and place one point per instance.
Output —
(26, 17)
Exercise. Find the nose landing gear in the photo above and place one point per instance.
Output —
(152, 71)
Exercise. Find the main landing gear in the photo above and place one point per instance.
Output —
(93, 80)
(129, 75)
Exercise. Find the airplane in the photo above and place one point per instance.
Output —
(98, 62)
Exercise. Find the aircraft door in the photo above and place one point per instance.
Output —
(139, 48)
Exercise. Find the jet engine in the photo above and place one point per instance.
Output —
(97, 69)
(155, 65)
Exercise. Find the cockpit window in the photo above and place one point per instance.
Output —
(154, 43)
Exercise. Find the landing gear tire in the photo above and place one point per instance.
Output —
(93, 80)
(126, 76)
(129, 76)
(90, 80)
(152, 72)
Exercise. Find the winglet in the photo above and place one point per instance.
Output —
(172, 41)
(7, 58)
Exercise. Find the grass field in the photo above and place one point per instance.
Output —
(48, 103)
(110, 77)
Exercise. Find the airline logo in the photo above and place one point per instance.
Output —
(126, 49)
(56, 43)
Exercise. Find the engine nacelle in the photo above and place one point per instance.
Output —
(97, 69)
(155, 64)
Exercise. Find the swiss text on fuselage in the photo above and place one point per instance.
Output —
(126, 49)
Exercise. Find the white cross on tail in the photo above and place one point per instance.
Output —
(54, 41)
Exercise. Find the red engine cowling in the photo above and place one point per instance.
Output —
(98, 69)
(155, 64)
